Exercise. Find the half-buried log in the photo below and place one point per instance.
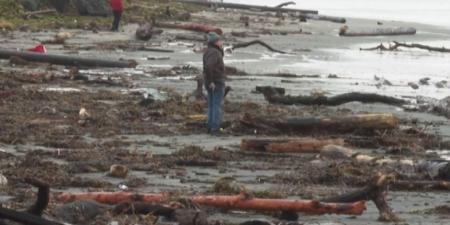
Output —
(241, 202)
(328, 124)
(273, 96)
(325, 18)
(301, 145)
(375, 191)
(192, 27)
(67, 60)
(344, 31)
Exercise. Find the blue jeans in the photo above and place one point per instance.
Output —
(215, 104)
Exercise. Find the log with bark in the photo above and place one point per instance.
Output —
(300, 145)
(375, 191)
(192, 27)
(242, 202)
(249, 7)
(396, 45)
(273, 95)
(256, 42)
(344, 31)
(325, 18)
(349, 123)
(28, 15)
(424, 185)
(67, 60)
(189, 37)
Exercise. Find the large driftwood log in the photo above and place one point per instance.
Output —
(397, 45)
(325, 18)
(256, 42)
(344, 31)
(248, 7)
(301, 145)
(330, 124)
(375, 191)
(66, 60)
(192, 27)
(414, 185)
(272, 95)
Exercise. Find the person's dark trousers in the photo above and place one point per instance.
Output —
(117, 15)
(215, 105)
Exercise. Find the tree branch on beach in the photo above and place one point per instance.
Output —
(256, 42)
(396, 45)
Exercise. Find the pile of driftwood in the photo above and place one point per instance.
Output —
(396, 45)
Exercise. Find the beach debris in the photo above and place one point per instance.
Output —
(34, 14)
(117, 170)
(256, 42)
(242, 202)
(396, 45)
(275, 96)
(5, 25)
(336, 152)
(333, 76)
(413, 85)
(191, 37)
(346, 32)
(84, 116)
(228, 185)
(144, 32)
(59, 38)
(190, 26)
(40, 48)
(3, 181)
(425, 81)
(67, 60)
(441, 84)
(80, 211)
(376, 190)
(333, 19)
(249, 7)
(299, 145)
(346, 123)
(158, 58)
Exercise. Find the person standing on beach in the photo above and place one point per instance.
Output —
(214, 77)
(117, 9)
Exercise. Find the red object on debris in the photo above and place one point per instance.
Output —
(40, 48)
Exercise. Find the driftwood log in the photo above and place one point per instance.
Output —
(66, 60)
(249, 7)
(347, 123)
(325, 18)
(242, 202)
(414, 185)
(375, 191)
(192, 27)
(344, 31)
(300, 145)
(256, 42)
(276, 96)
(32, 215)
(396, 45)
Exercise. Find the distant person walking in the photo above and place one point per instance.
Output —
(214, 73)
(117, 9)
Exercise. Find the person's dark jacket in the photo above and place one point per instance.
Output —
(213, 66)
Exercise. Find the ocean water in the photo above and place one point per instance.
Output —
(434, 12)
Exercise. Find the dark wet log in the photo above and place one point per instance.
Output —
(325, 18)
(344, 31)
(143, 208)
(192, 27)
(188, 37)
(196, 163)
(414, 185)
(285, 4)
(144, 32)
(271, 96)
(271, 90)
(256, 42)
(248, 7)
(420, 46)
(329, 124)
(243, 34)
(375, 191)
(24, 218)
(67, 60)
(32, 215)
(300, 145)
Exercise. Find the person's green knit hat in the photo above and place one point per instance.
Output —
(213, 37)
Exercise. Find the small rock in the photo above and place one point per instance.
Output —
(424, 81)
(333, 76)
(144, 32)
(84, 115)
(61, 37)
(413, 85)
(119, 171)
(386, 82)
(441, 84)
